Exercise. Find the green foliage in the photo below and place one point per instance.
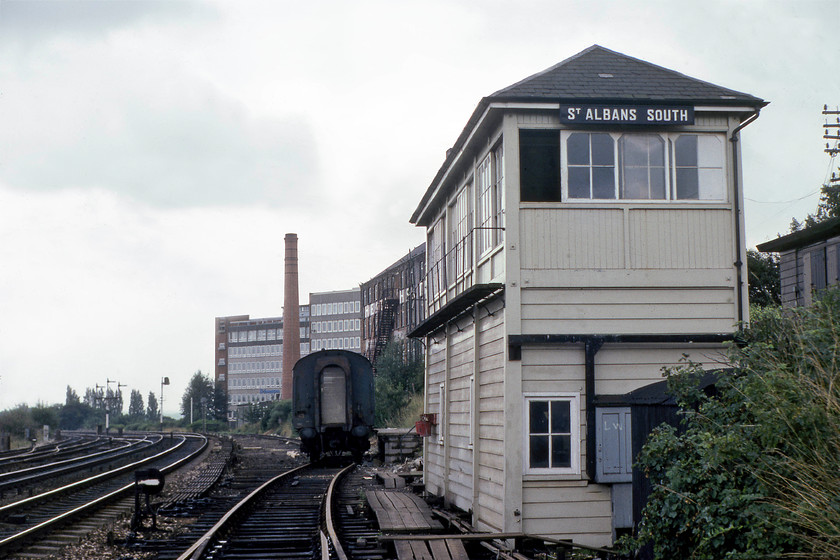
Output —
(44, 415)
(136, 410)
(199, 397)
(764, 282)
(827, 208)
(396, 381)
(274, 416)
(755, 471)
(152, 411)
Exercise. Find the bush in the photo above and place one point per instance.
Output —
(755, 472)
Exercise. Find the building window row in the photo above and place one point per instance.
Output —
(254, 367)
(344, 325)
(336, 308)
(255, 382)
(569, 165)
(350, 343)
(255, 335)
(249, 351)
(262, 397)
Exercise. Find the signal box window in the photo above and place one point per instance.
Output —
(539, 165)
(630, 166)
(591, 165)
(552, 442)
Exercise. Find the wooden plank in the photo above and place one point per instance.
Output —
(403, 549)
(421, 550)
(385, 516)
(457, 550)
(401, 511)
(439, 550)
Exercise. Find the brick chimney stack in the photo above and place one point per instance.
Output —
(291, 316)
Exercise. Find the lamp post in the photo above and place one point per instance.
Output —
(163, 381)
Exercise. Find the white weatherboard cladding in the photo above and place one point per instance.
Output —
(611, 310)
(571, 510)
(449, 466)
(616, 237)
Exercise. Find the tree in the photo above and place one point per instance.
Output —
(397, 379)
(44, 415)
(220, 402)
(827, 208)
(765, 287)
(200, 387)
(71, 397)
(152, 412)
(276, 414)
(93, 397)
(74, 413)
(755, 470)
(135, 404)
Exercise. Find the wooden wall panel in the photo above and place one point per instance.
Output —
(617, 311)
(568, 510)
(672, 238)
(572, 238)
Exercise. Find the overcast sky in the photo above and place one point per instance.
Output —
(153, 154)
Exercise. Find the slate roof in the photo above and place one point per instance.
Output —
(597, 75)
(604, 75)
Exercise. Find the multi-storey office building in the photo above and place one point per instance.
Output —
(249, 361)
(392, 305)
(336, 320)
(584, 231)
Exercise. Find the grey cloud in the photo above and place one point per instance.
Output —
(174, 156)
(33, 21)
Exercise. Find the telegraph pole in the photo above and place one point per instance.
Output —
(831, 131)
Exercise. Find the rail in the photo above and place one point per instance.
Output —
(222, 530)
(22, 537)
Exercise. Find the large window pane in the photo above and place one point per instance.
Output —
(591, 168)
(539, 417)
(699, 160)
(603, 150)
(577, 149)
(561, 452)
(578, 182)
(538, 458)
(635, 184)
(539, 162)
(688, 184)
(561, 417)
(603, 182)
(642, 159)
(685, 151)
(634, 150)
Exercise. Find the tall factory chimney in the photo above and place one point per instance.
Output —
(291, 317)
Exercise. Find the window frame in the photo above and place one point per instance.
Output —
(669, 139)
(575, 432)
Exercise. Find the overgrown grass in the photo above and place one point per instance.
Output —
(408, 415)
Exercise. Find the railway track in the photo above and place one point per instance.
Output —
(31, 519)
(120, 452)
(280, 519)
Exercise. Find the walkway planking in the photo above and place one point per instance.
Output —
(450, 549)
(403, 512)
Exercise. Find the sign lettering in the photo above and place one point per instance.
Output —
(626, 114)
